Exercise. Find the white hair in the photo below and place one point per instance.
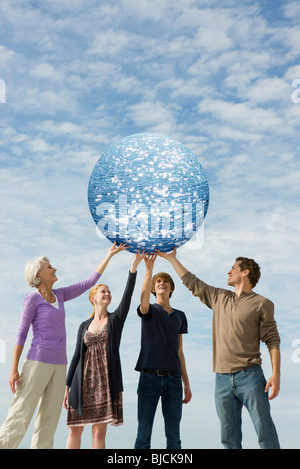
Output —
(31, 269)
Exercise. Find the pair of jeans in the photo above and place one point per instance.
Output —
(150, 389)
(244, 388)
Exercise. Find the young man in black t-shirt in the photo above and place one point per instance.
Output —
(161, 360)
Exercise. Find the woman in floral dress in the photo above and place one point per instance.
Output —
(94, 387)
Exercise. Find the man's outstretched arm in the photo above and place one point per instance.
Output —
(171, 257)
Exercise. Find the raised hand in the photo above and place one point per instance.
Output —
(115, 249)
(138, 258)
(167, 255)
(150, 259)
(171, 257)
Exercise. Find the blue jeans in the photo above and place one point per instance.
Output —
(244, 388)
(150, 388)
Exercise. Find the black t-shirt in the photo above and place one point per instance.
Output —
(159, 339)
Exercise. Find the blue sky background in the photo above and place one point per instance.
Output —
(216, 76)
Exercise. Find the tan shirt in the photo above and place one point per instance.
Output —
(239, 324)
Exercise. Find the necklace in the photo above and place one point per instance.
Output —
(45, 295)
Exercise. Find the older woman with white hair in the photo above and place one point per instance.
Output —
(43, 375)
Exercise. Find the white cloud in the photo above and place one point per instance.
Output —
(242, 115)
(45, 70)
(110, 43)
(6, 56)
(152, 116)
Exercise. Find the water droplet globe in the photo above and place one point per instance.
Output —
(148, 191)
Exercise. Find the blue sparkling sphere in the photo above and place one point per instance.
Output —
(148, 191)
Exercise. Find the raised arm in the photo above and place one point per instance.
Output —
(75, 290)
(111, 252)
(171, 257)
(137, 259)
(146, 289)
(123, 308)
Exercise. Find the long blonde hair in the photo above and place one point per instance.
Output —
(92, 293)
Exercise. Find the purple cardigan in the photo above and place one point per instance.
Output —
(48, 323)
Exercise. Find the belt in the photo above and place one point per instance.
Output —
(159, 372)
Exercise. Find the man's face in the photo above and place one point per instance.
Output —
(162, 287)
(235, 275)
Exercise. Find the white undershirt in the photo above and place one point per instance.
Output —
(55, 304)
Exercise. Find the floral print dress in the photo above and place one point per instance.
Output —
(97, 404)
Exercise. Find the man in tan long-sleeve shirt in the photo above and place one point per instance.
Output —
(241, 319)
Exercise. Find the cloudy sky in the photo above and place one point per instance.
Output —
(221, 78)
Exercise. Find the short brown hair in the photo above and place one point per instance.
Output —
(252, 266)
(166, 277)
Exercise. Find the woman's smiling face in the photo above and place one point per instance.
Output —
(47, 273)
(102, 295)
